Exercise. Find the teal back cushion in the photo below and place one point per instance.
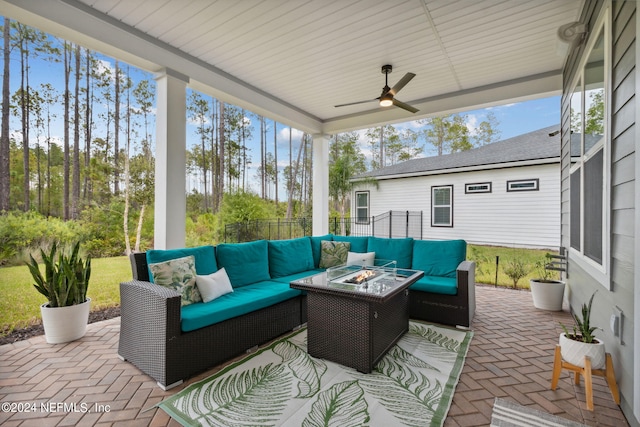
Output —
(358, 243)
(290, 256)
(245, 263)
(316, 242)
(204, 255)
(400, 250)
(438, 257)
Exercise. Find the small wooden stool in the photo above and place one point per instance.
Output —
(586, 372)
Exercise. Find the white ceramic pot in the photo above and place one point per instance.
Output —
(64, 324)
(547, 295)
(574, 352)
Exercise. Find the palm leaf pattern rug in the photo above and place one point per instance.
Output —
(281, 385)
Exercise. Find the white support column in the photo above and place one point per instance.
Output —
(320, 184)
(171, 139)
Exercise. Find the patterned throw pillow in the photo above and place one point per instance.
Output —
(178, 274)
(333, 253)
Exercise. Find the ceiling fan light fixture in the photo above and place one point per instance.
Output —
(386, 101)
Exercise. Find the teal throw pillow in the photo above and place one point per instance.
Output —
(358, 243)
(180, 275)
(400, 250)
(245, 263)
(290, 256)
(333, 253)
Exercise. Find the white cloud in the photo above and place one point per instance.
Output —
(103, 66)
(296, 135)
(472, 124)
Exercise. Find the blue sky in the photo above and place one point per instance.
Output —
(513, 118)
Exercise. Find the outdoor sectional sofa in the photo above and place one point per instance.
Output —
(171, 342)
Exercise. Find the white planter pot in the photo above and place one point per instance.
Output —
(574, 352)
(64, 324)
(547, 295)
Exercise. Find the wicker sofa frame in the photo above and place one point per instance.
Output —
(151, 338)
(453, 310)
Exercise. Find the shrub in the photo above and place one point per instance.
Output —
(516, 269)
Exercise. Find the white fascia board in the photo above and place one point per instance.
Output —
(79, 23)
(506, 165)
(517, 90)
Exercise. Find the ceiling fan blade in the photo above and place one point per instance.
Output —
(404, 106)
(401, 83)
(353, 103)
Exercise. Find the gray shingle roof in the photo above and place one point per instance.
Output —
(534, 145)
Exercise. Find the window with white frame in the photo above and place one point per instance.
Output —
(523, 185)
(589, 176)
(481, 187)
(442, 206)
(362, 207)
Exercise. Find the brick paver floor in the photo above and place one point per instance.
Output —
(85, 383)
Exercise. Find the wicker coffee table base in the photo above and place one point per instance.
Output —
(352, 331)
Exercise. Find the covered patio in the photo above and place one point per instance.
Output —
(294, 62)
(510, 357)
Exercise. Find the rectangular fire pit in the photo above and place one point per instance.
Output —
(356, 314)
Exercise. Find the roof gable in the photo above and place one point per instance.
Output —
(537, 145)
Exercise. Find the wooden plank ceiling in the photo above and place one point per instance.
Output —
(311, 55)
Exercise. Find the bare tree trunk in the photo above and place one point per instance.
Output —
(116, 139)
(24, 104)
(139, 228)
(4, 138)
(275, 156)
(127, 193)
(86, 192)
(290, 183)
(67, 71)
(215, 166)
(75, 201)
(221, 143)
(262, 163)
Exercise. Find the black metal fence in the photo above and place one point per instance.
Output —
(268, 229)
(388, 224)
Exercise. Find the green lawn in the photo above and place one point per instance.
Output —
(485, 258)
(20, 302)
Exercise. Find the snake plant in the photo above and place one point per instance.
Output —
(66, 277)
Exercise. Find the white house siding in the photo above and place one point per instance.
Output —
(620, 288)
(501, 218)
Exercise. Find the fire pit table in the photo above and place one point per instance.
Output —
(356, 314)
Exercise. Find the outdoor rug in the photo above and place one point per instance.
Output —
(281, 385)
(509, 414)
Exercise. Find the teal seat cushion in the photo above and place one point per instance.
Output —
(237, 303)
(316, 243)
(205, 258)
(245, 263)
(435, 285)
(438, 257)
(289, 256)
(400, 250)
(296, 276)
(358, 243)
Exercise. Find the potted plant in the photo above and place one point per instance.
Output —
(64, 284)
(547, 292)
(574, 346)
